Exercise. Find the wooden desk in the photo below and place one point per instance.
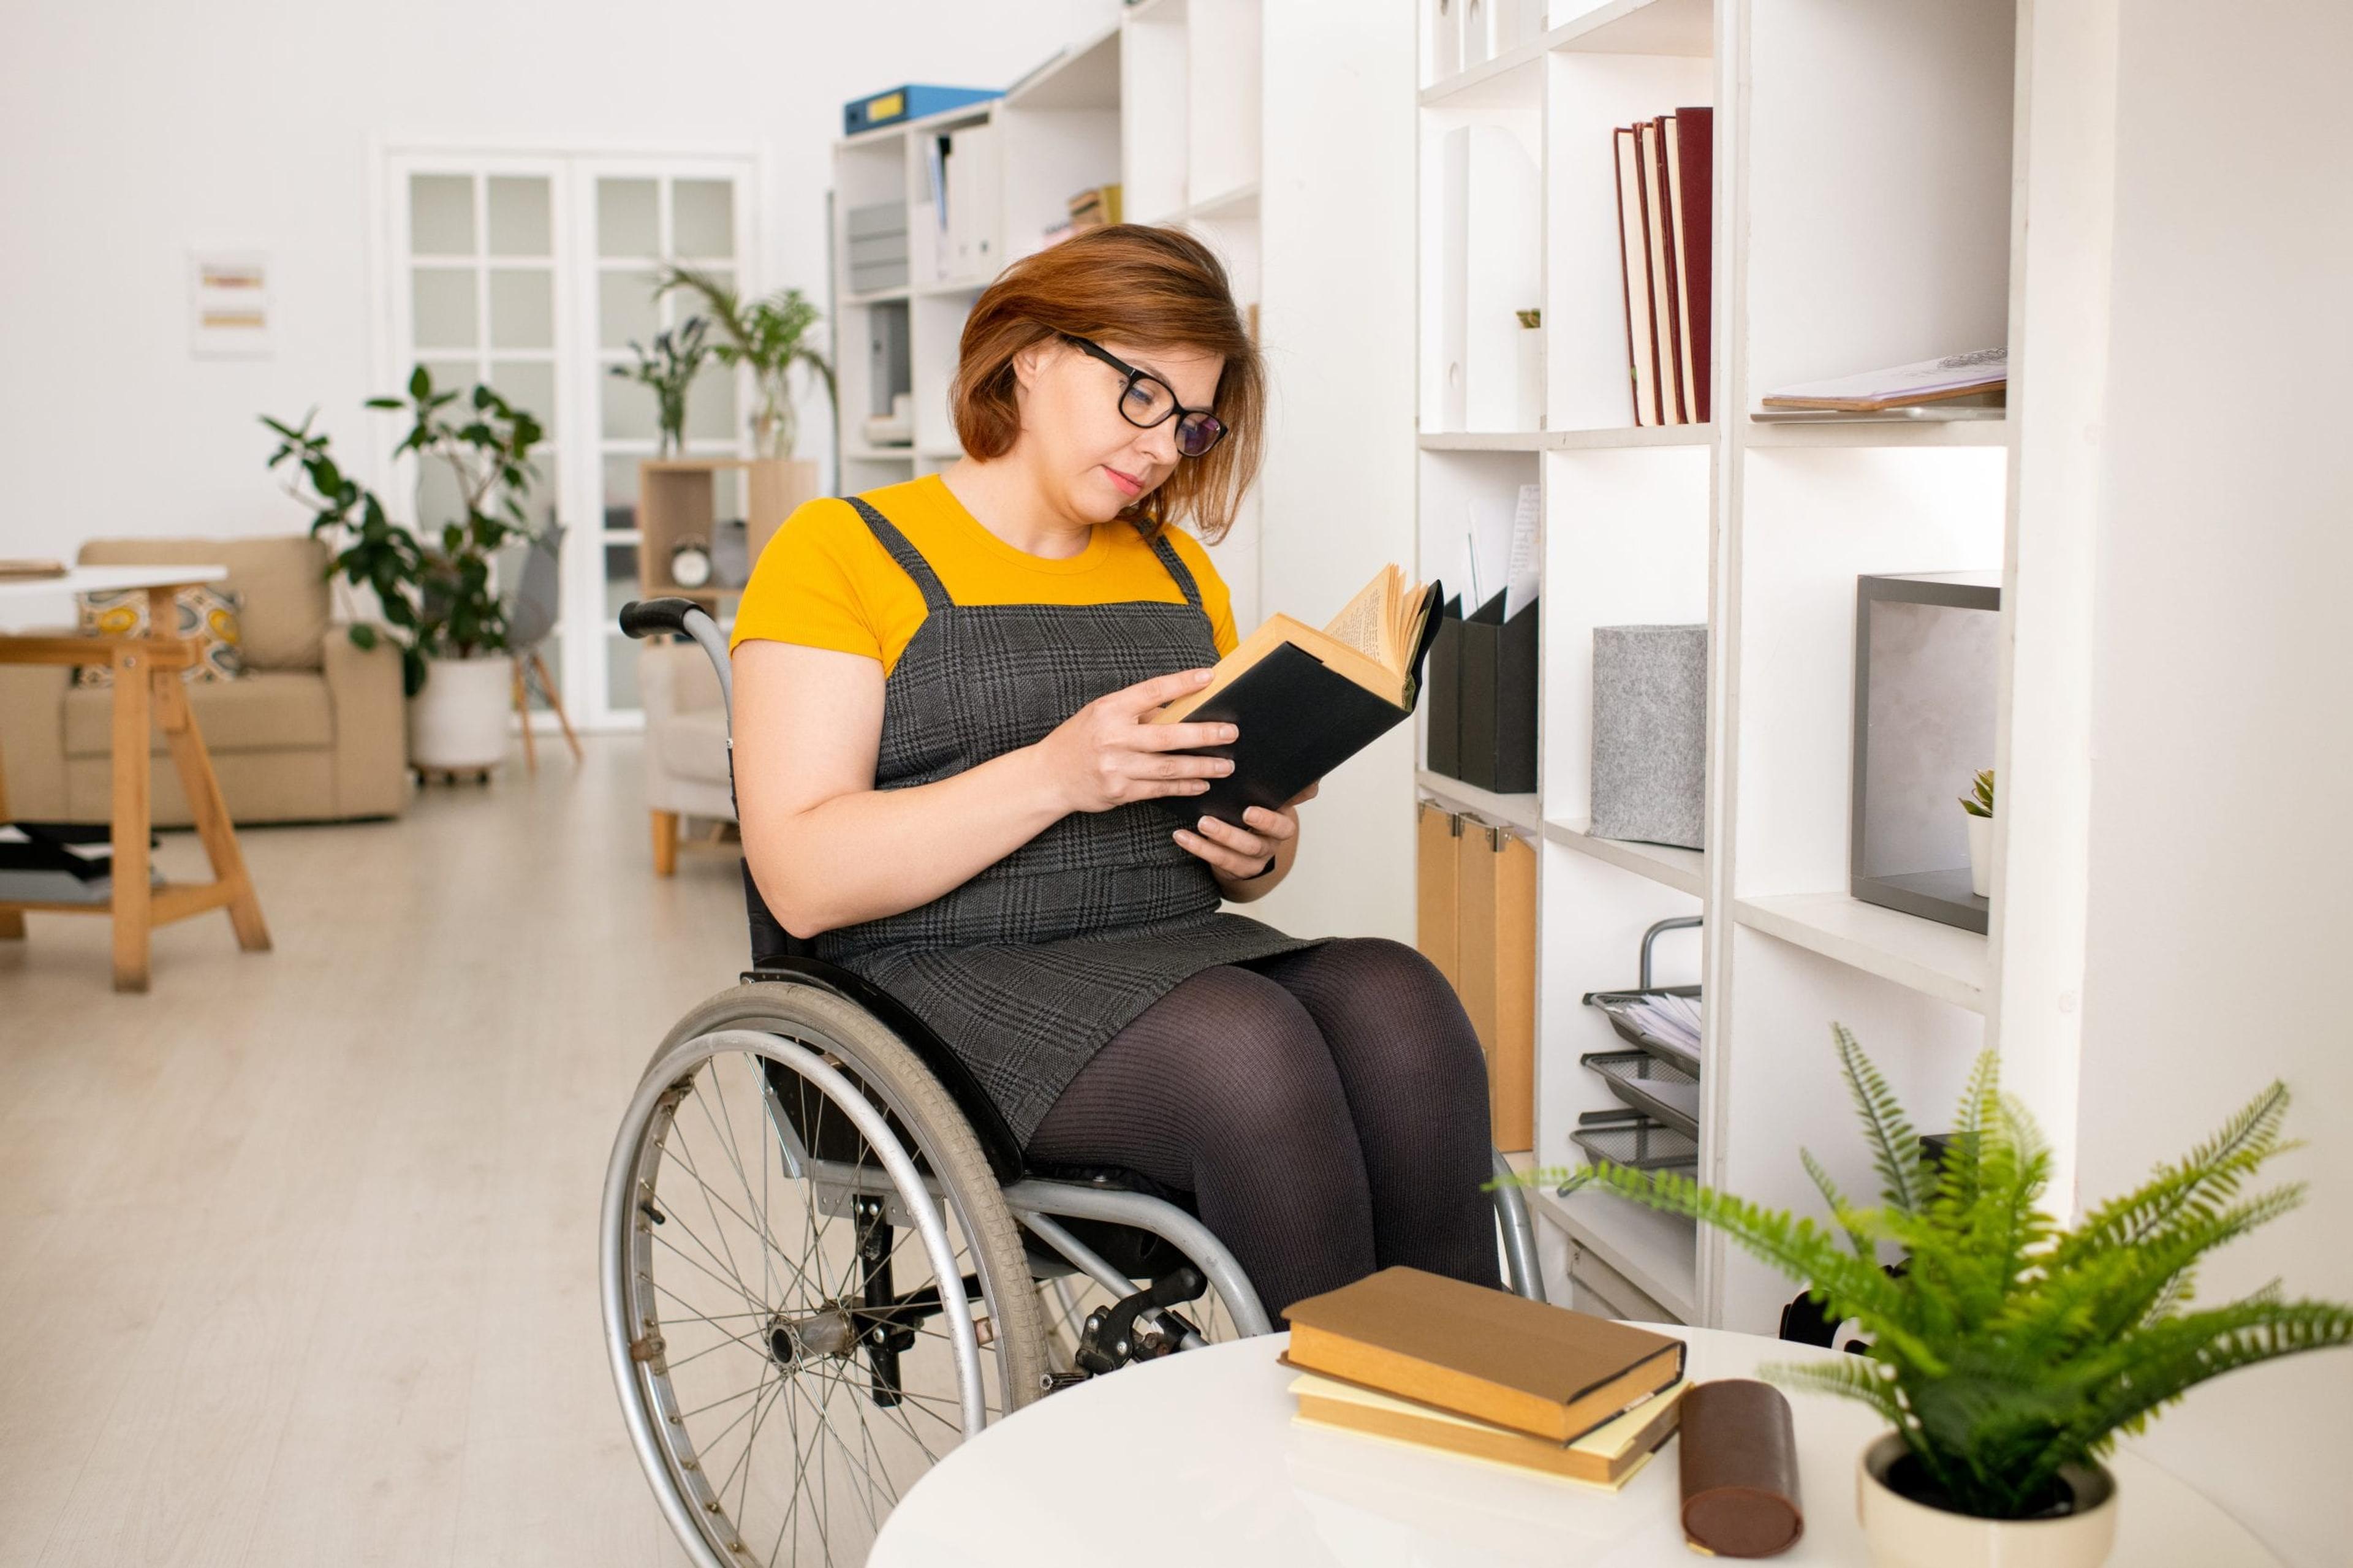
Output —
(148, 689)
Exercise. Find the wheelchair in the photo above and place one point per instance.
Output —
(824, 1263)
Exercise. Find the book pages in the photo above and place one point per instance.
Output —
(1364, 623)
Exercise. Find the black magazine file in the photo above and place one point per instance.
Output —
(1300, 719)
(1498, 686)
(1445, 739)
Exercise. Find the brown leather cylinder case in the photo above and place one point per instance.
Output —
(1739, 1470)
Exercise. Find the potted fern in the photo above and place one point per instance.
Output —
(2008, 1353)
(1979, 805)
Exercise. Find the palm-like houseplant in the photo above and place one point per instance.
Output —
(770, 335)
(2006, 1349)
(668, 371)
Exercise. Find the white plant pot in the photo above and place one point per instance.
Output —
(1903, 1533)
(1980, 855)
(458, 721)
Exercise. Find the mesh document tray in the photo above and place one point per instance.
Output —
(1630, 1138)
(1618, 1005)
(1659, 1089)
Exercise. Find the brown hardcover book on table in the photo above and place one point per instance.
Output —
(1488, 1354)
(1634, 266)
(1306, 700)
(1691, 187)
(35, 568)
(1666, 324)
(1606, 1456)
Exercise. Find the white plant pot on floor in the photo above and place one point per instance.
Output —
(458, 721)
(1903, 1533)
(1980, 855)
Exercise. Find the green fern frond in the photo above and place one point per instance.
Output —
(1840, 1210)
(1896, 1148)
(2206, 1179)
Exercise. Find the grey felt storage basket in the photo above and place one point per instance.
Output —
(1650, 734)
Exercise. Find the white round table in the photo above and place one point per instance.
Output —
(1196, 1460)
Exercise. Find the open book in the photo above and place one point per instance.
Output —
(1306, 700)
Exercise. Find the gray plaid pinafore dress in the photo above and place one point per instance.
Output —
(1028, 967)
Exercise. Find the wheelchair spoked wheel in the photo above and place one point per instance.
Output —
(789, 1192)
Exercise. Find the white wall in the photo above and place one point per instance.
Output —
(1337, 493)
(2221, 874)
(135, 129)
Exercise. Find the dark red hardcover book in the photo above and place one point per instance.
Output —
(1692, 147)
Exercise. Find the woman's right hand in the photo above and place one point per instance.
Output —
(1106, 754)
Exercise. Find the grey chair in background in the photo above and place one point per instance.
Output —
(530, 618)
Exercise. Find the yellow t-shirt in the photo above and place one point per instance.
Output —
(824, 581)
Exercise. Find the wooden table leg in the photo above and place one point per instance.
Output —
(133, 904)
(208, 810)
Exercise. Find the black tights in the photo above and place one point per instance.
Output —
(1326, 1108)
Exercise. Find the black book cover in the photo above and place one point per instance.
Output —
(44, 848)
(1299, 719)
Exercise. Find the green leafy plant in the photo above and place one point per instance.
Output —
(1979, 802)
(667, 369)
(769, 334)
(2004, 1347)
(433, 587)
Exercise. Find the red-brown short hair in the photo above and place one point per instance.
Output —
(1134, 283)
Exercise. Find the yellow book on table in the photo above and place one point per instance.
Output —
(1608, 1456)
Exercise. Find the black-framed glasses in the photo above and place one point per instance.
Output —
(1146, 400)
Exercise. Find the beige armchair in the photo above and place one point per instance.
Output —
(686, 744)
(314, 729)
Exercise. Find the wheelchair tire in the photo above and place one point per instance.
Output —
(779, 1417)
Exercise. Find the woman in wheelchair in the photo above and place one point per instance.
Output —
(946, 788)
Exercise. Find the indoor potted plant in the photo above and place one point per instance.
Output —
(1978, 804)
(2007, 1354)
(434, 589)
(770, 336)
(668, 369)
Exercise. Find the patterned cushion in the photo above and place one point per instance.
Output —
(207, 615)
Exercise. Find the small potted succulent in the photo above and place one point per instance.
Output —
(1978, 804)
(2007, 1354)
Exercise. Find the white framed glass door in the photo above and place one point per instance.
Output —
(533, 273)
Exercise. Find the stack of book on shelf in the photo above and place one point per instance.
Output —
(1421, 1359)
(1091, 208)
(1666, 170)
(1971, 385)
(59, 863)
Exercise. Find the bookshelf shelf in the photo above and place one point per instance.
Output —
(1513, 811)
(1939, 960)
(1878, 433)
(1652, 1250)
(1833, 251)
(1566, 440)
(1685, 871)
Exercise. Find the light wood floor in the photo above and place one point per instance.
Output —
(297, 1251)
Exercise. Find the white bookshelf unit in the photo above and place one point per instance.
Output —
(1166, 105)
(1866, 213)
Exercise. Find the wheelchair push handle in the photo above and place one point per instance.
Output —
(684, 617)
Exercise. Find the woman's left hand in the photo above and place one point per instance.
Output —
(1240, 853)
